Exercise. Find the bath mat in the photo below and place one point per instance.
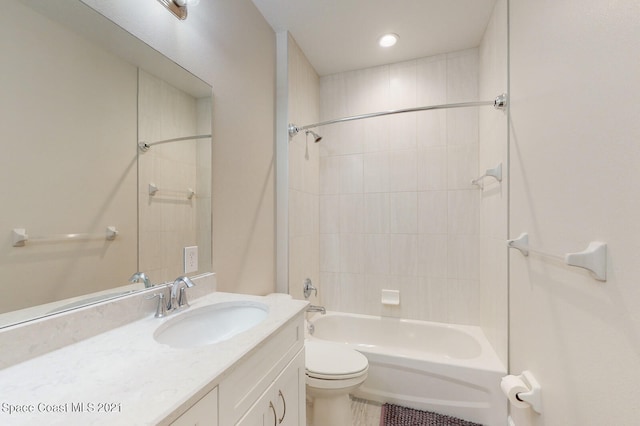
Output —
(395, 415)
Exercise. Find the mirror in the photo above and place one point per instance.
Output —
(174, 198)
(79, 93)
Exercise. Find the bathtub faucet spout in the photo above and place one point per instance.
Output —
(315, 308)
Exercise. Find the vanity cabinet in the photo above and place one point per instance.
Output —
(267, 387)
(202, 413)
(279, 404)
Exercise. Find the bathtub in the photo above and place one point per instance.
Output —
(448, 369)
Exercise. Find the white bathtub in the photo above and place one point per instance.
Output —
(449, 369)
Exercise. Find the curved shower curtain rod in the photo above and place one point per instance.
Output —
(144, 146)
(500, 102)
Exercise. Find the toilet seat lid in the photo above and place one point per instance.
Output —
(332, 361)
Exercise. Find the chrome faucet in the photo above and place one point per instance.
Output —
(141, 276)
(178, 297)
(316, 308)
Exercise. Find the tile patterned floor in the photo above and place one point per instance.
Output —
(364, 413)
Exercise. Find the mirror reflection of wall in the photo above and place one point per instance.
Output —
(69, 133)
(174, 183)
(69, 161)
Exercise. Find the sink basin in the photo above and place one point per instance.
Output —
(210, 324)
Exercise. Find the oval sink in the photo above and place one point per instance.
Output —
(210, 324)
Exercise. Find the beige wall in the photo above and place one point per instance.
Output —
(575, 132)
(231, 46)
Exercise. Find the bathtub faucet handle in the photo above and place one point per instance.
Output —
(308, 288)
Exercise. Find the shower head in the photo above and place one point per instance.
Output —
(294, 130)
(316, 137)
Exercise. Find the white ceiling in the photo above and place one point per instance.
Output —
(341, 35)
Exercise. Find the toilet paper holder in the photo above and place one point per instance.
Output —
(531, 397)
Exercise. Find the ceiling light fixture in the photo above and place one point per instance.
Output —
(187, 2)
(179, 7)
(388, 40)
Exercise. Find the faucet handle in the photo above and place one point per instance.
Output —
(161, 308)
(308, 288)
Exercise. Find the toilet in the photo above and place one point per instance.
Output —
(333, 371)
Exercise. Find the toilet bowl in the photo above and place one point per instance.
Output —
(332, 373)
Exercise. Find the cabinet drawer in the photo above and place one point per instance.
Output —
(253, 375)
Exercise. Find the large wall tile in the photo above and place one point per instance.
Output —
(403, 218)
(376, 213)
(432, 212)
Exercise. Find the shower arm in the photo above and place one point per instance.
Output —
(500, 102)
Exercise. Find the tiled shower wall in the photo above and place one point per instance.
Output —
(493, 134)
(397, 210)
(393, 204)
(304, 160)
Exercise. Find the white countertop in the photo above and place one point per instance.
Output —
(125, 371)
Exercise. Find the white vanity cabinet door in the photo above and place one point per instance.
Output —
(249, 381)
(280, 405)
(290, 394)
(202, 413)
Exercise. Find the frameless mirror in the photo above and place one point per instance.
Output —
(78, 214)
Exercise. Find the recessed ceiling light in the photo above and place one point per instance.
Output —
(388, 40)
